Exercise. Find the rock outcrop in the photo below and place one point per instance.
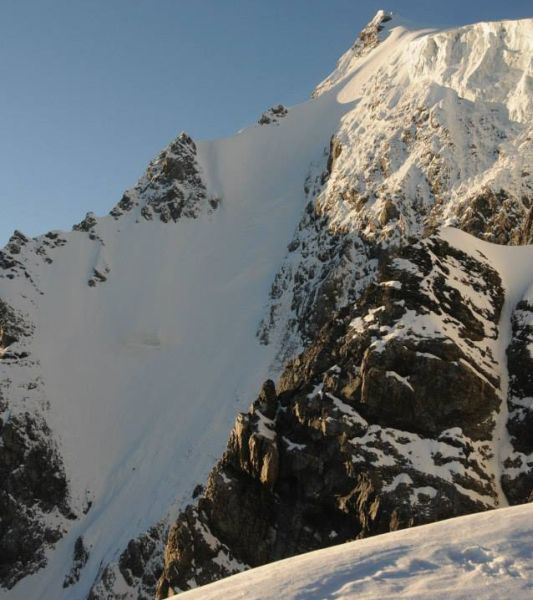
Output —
(385, 421)
(517, 480)
(273, 115)
(172, 187)
(138, 569)
(34, 501)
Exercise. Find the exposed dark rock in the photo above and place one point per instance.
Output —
(496, 217)
(517, 479)
(138, 568)
(16, 242)
(389, 213)
(12, 326)
(366, 429)
(369, 37)
(172, 187)
(335, 149)
(125, 204)
(79, 560)
(520, 364)
(98, 277)
(526, 236)
(31, 471)
(272, 115)
(33, 486)
(191, 541)
(87, 224)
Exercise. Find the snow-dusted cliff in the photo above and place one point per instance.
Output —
(128, 345)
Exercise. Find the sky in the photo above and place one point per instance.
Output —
(91, 90)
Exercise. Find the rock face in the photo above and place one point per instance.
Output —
(385, 421)
(369, 38)
(79, 560)
(138, 569)
(518, 478)
(273, 115)
(171, 188)
(33, 488)
(34, 502)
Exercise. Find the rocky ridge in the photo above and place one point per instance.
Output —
(384, 422)
(172, 187)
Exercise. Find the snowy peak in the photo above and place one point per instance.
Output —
(370, 37)
(411, 154)
(489, 62)
(442, 119)
(171, 188)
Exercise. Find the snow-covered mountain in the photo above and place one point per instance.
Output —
(321, 245)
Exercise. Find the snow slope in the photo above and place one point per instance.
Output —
(143, 373)
(479, 557)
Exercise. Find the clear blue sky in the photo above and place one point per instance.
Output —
(91, 90)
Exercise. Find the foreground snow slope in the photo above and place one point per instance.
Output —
(484, 556)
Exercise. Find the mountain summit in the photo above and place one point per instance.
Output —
(316, 330)
(375, 32)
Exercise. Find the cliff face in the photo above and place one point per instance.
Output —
(517, 480)
(410, 406)
(318, 252)
(34, 503)
(387, 420)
